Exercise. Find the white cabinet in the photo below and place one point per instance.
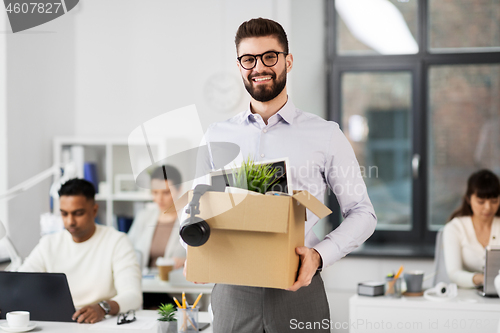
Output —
(112, 161)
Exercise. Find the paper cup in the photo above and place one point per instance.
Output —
(165, 266)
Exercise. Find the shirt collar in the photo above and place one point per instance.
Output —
(287, 112)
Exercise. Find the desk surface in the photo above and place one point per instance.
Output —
(144, 317)
(468, 312)
(155, 285)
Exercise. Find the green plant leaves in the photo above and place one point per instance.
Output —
(254, 177)
(167, 312)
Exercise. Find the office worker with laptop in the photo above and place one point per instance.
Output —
(473, 226)
(99, 262)
(319, 155)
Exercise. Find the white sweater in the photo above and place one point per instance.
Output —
(103, 267)
(464, 256)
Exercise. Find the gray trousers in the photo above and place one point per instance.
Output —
(241, 309)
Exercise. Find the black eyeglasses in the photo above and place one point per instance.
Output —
(125, 318)
(269, 59)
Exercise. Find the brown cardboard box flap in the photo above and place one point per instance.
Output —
(313, 204)
(245, 212)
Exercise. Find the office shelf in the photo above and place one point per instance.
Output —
(111, 157)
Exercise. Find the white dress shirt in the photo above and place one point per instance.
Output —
(319, 155)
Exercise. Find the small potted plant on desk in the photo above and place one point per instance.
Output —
(167, 322)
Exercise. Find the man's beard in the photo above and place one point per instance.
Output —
(266, 93)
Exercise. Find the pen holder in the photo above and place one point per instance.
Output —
(392, 287)
(187, 320)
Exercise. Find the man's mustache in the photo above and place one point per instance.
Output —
(251, 76)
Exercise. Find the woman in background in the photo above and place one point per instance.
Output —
(473, 226)
(154, 233)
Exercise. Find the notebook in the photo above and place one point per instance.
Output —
(45, 295)
(491, 268)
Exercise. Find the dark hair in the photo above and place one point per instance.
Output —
(78, 186)
(168, 172)
(261, 27)
(484, 184)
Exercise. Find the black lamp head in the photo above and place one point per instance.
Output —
(195, 231)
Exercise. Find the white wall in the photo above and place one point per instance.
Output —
(154, 56)
(307, 42)
(40, 104)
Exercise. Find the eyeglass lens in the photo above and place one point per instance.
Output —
(269, 59)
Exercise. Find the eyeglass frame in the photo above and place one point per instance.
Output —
(125, 315)
(260, 55)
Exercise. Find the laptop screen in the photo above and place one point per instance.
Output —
(45, 295)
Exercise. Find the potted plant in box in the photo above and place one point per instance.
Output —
(167, 322)
(254, 177)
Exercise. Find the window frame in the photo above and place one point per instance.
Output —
(419, 65)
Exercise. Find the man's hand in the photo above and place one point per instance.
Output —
(89, 314)
(310, 262)
(179, 262)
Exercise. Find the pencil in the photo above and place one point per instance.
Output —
(197, 300)
(399, 272)
(391, 283)
(183, 300)
(177, 302)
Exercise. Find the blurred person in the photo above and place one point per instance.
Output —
(99, 261)
(472, 227)
(155, 233)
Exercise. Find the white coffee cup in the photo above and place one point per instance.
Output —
(18, 318)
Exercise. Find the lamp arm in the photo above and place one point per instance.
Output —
(27, 184)
(15, 259)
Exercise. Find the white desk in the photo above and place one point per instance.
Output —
(50, 326)
(155, 285)
(468, 313)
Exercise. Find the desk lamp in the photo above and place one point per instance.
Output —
(15, 259)
(54, 170)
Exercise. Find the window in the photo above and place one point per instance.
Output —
(376, 118)
(419, 101)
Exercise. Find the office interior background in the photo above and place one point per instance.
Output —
(415, 86)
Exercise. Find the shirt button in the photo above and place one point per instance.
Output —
(262, 155)
(264, 130)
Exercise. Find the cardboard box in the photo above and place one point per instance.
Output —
(253, 238)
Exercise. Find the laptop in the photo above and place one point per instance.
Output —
(45, 295)
(491, 268)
